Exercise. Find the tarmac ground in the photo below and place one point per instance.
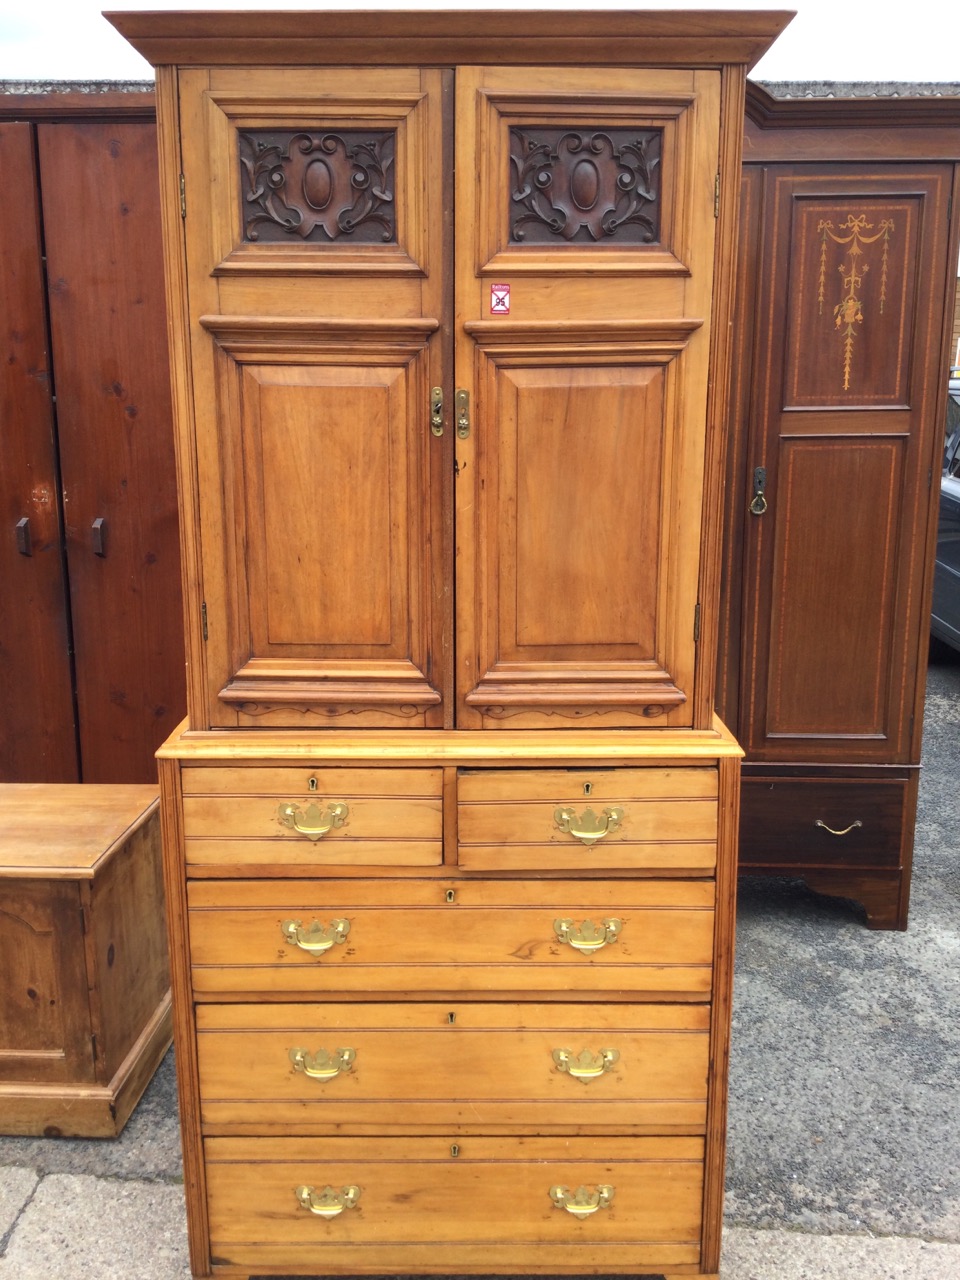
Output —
(844, 1135)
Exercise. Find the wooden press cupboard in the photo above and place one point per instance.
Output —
(450, 831)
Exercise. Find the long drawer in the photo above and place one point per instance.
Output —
(431, 1205)
(574, 1067)
(291, 818)
(652, 819)
(337, 937)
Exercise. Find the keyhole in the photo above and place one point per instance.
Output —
(451, 895)
(312, 784)
(454, 1150)
(587, 788)
(451, 1018)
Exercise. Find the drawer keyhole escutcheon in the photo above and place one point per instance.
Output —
(586, 1066)
(582, 1202)
(314, 821)
(312, 784)
(317, 938)
(587, 937)
(587, 788)
(450, 895)
(588, 828)
(327, 1203)
(322, 1065)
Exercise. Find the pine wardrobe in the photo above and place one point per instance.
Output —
(450, 830)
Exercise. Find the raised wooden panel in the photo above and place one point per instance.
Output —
(327, 517)
(831, 609)
(851, 300)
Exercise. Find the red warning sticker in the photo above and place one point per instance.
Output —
(499, 299)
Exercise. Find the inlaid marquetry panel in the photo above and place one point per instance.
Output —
(851, 300)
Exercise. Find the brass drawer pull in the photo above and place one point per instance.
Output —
(588, 937)
(846, 830)
(328, 1203)
(586, 1066)
(313, 822)
(582, 1203)
(317, 938)
(588, 828)
(322, 1065)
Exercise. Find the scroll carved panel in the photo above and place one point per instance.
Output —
(584, 185)
(318, 185)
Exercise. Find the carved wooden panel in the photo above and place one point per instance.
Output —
(318, 185)
(327, 521)
(851, 301)
(584, 184)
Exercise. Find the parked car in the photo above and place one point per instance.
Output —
(945, 622)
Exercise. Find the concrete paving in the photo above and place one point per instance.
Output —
(844, 1139)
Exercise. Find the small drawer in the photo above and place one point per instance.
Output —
(303, 818)
(426, 1204)
(653, 819)
(821, 822)
(367, 1067)
(291, 937)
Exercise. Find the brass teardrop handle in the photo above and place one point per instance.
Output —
(759, 504)
(582, 1202)
(846, 830)
(313, 822)
(588, 828)
(327, 1203)
(586, 1066)
(317, 938)
(587, 937)
(322, 1065)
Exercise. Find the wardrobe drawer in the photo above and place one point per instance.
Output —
(821, 822)
(642, 819)
(570, 1066)
(428, 1204)
(298, 817)
(338, 937)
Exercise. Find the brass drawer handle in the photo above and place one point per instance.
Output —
(588, 937)
(328, 1203)
(322, 1066)
(586, 1066)
(582, 1203)
(846, 830)
(588, 828)
(317, 938)
(313, 822)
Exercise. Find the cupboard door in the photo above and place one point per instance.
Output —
(37, 723)
(314, 208)
(108, 335)
(842, 420)
(584, 275)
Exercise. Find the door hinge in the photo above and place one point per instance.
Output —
(716, 195)
(696, 625)
(203, 618)
(183, 197)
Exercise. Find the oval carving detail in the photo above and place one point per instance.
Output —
(585, 185)
(317, 184)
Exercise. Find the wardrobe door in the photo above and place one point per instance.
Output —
(37, 721)
(314, 213)
(585, 230)
(841, 453)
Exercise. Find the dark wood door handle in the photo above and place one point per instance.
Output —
(98, 536)
(24, 545)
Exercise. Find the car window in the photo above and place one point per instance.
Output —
(951, 450)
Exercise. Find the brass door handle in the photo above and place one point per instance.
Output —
(588, 828)
(582, 1203)
(322, 1065)
(316, 939)
(586, 1066)
(588, 937)
(327, 1203)
(846, 830)
(759, 504)
(313, 822)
